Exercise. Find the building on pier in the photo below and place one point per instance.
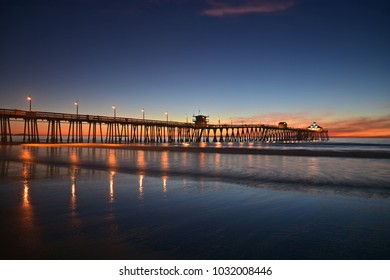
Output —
(315, 127)
(282, 125)
(200, 120)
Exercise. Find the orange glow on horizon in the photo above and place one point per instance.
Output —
(337, 126)
(370, 133)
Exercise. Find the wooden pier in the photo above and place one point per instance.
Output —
(122, 130)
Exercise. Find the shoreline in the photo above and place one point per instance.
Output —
(221, 150)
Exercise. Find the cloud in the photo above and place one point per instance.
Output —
(212, 8)
(301, 119)
(356, 126)
(219, 8)
(360, 126)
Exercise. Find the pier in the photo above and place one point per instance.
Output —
(51, 127)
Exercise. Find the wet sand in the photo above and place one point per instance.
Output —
(132, 201)
(227, 150)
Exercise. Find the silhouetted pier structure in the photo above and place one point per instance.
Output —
(122, 130)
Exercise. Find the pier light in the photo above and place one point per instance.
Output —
(166, 114)
(114, 108)
(219, 121)
(29, 101)
(76, 103)
(143, 113)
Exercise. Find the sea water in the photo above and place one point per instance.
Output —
(93, 202)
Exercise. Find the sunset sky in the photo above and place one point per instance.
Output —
(260, 61)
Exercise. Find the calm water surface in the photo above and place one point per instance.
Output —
(99, 203)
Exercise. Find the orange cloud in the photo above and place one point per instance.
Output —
(359, 126)
(220, 8)
(293, 119)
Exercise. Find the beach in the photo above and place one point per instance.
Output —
(228, 148)
(208, 201)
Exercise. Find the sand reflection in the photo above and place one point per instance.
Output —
(165, 161)
(73, 198)
(164, 179)
(112, 193)
(32, 235)
(141, 188)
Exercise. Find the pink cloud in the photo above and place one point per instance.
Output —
(355, 126)
(220, 8)
(301, 119)
(360, 126)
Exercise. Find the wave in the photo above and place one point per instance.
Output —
(223, 149)
(268, 178)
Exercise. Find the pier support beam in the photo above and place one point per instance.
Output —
(75, 133)
(113, 134)
(5, 130)
(54, 134)
(30, 134)
(92, 132)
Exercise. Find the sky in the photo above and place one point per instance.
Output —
(251, 61)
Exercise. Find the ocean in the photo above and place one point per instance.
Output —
(314, 200)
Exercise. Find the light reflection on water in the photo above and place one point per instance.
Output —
(148, 204)
(164, 178)
(73, 201)
(112, 174)
(26, 220)
(26, 199)
(141, 189)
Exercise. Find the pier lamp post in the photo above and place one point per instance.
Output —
(166, 114)
(114, 107)
(143, 113)
(219, 121)
(186, 118)
(76, 103)
(29, 101)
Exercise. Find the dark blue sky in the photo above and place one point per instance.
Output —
(262, 61)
